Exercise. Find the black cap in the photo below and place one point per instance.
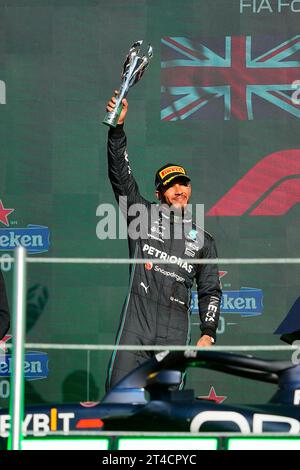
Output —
(167, 173)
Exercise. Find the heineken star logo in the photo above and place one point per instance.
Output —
(4, 213)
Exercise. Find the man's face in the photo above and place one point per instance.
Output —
(176, 194)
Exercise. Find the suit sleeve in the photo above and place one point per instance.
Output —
(119, 171)
(209, 291)
(4, 310)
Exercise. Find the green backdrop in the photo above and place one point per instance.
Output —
(60, 60)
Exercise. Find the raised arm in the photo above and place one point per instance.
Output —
(119, 171)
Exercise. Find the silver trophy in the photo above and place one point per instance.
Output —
(133, 70)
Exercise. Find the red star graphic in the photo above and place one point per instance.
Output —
(213, 396)
(222, 274)
(3, 341)
(4, 213)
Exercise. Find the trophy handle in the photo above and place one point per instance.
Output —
(111, 118)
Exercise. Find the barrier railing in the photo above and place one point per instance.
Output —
(19, 320)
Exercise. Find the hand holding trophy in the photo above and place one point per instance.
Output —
(133, 70)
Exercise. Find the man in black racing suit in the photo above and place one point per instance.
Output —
(157, 307)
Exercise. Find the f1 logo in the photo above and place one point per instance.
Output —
(270, 188)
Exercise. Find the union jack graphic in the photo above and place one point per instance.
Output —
(227, 78)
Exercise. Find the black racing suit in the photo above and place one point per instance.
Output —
(157, 308)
